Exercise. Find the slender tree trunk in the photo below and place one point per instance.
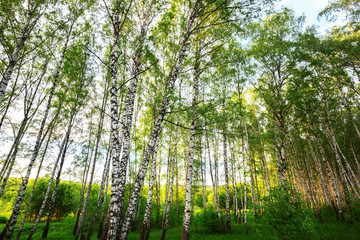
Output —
(333, 143)
(100, 194)
(19, 45)
(33, 188)
(53, 197)
(214, 186)
(203, 176)
(28, 115)
(228, 221)
(12, 96)
(329, 171)
(157, 127)
(21, 193)
(323, 182)
(166, 220)
(82, 192)
(177, 190)
(47, 193)
(127, 118)
(245, 192)
(167, 185)
(158, 189)
(101, 224)
(147, 216)
(113, 215)
(189, 171)
(235, 195)
(98, 138)
(241, 216)
(251, 171)
(310, 186)
(263, 159)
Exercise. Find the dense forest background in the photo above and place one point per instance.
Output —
(201, 119)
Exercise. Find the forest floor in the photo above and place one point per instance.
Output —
(330, 229)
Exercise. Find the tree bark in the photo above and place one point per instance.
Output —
(228, 220)
(127, 117)
(156, 130)
(53, 197)
(189, 169)
(31, 20)
(33, 188)
(113, 214)
(98, 138)
(145, 230)
(21, 193)
(246, 148)
(214, 186)
(166, 220)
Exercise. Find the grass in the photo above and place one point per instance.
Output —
(331, 229)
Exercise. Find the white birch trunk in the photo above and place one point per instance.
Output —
(156, 130)
(21, 193)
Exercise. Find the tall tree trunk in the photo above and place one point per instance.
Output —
(329, 171)
(228, 220)
(157, 127)
(333, 143)
(48, 189)
(166, 220)
(31, 18)
(158, 190)
(246, 148)
(83, 187)
(263, 159)
(189, 169)
(28, 116)
(241, 216)
(113, 215)
(100, 194)
(323, 182)
(127, 117)
(101, 222)
(98, 138)
(235, 195)
(203, 176)
(251, 172)
(167, 184)
(13, 153)
(53, 197)
(12, 96)
(214, 186)
(21, 193)
(33, 188)
(145, 230)
(310, 186)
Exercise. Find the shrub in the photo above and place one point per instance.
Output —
(3, 220)
(288, 215)
(209, 220)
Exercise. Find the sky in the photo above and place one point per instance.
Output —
(311, 9)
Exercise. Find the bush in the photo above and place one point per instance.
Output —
(3, 220)
(355, 205)
(288, 215)
(209, 220)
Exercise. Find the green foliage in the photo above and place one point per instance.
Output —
(3, 219)
(209, 220)
(66, 200)
(355, 205)
(287, 214)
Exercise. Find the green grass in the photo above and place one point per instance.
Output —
(331, 229)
